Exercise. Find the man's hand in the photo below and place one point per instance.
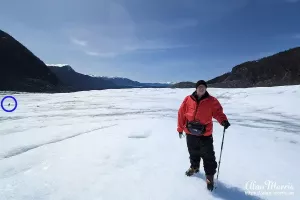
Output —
(180, 135)
(226, 124)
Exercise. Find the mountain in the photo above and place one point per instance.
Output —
(156, 85)
(279, 69)
(185, 84)
(123, 82)
(22, 71)
(81, 82)
(25, 72)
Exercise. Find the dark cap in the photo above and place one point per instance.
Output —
(201, 82)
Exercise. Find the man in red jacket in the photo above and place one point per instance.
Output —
(195, 119)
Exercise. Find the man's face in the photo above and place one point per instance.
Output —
(201, 89)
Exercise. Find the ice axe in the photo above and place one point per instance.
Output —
(220, 157)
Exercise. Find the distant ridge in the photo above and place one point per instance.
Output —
(279, 69)
(21, 70)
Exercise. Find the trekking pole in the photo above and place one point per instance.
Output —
(220, 155)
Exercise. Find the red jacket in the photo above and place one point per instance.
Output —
(203, 111)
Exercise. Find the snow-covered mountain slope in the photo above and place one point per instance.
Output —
(58, 65)
(123, 144)
(82, 82)
(120, 81)
(130, 83)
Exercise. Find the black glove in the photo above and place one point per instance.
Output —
(226, 124)
(180, 135)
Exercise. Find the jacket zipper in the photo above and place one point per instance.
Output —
(196, 110)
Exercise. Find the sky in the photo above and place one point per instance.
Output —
(153, 40)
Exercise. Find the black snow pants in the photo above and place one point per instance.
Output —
(202, 147)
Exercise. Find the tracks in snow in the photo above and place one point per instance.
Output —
(21, 150)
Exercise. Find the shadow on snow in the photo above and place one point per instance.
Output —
(228, 193)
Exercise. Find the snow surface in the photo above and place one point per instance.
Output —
(123, 145)
(58, 65)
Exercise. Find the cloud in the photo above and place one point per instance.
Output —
(92, 53)
(136, 46)
(163, 28)
(296, 36)
(122, 28)
(153, 45)
(78, 42)
(120, 35)
(104, 55)
(112, 51)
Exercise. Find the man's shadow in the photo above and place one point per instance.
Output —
(228, 193)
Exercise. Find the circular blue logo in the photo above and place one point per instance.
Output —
(9, 97)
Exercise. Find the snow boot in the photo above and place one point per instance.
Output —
(210, 182)
(191, 171)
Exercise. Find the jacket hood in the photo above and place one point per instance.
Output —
(195, 96)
